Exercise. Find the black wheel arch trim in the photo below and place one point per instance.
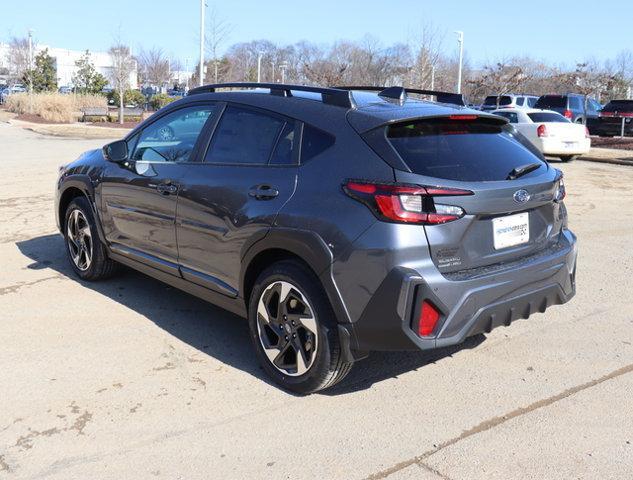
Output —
(83, 183)
(310, 248)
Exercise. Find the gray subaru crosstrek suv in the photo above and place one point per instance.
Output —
(339, 221)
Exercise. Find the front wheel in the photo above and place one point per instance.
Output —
(294, 330)
(87, 255)
(567, 158)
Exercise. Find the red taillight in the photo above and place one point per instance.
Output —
(606, 114)
(568, 114)
(429, 315)
(463, 117)
(541, 131)
(406, 203)
(626, 114)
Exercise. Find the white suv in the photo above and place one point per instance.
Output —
(493, 102)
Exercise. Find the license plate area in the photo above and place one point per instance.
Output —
(511, 230)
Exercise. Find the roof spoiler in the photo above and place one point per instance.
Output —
(400, 93)
(331, 96)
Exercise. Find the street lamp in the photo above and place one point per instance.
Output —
(460, 40)
(259, 66)
(283, 66)
(201, 66)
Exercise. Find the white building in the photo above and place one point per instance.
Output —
(65, 63)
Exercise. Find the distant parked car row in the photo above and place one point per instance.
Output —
(6, 91)
(615, 119)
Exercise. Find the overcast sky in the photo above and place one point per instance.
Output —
(559, 31)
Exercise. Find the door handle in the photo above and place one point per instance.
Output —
(167, 188)
(263, 192)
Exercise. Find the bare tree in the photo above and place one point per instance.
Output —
(426, 43)
(122, 66)
(18, 57)
(155, 67)
(218, 32)
(498, 79)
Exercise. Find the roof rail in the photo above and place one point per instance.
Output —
(330, 96)
(399, 93)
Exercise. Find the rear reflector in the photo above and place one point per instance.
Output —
(429, 315)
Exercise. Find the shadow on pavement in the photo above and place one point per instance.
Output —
(210, 329)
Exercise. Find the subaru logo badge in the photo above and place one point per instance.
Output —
(521, 196)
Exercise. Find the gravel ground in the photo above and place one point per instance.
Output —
(132, 379)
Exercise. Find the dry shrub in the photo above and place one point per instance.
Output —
(54, 107)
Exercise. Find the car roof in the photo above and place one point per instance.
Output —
(369, 111)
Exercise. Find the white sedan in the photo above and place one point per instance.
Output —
(550, 132)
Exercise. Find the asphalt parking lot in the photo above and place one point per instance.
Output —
(132, 379)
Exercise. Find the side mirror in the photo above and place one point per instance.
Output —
(116, 151)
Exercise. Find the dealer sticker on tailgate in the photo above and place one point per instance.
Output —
(511, 230)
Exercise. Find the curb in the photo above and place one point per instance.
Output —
(613, 161)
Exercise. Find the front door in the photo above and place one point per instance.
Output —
(139, 198)
(232, 197)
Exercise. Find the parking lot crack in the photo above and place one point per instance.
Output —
(496, 421)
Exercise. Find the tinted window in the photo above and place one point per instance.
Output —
(575, 103)
(314, 141)
(520, 101)
(460, 150)
(547, 117)
(511, 116)
(619, 106)
(551, 101)
(531, 101)
(244, 136)
(492, 100)
(283, 153)
(172, 137)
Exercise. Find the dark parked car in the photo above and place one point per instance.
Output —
(571, 106)
(338, 222)
(612, 116)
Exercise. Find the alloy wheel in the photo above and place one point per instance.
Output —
(79, 240)
(287, 328)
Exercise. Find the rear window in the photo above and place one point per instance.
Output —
(547, 117)
(619, 106)
(503, 100)
(480, 150)
(551, 101)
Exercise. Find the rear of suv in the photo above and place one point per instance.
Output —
(494, 102)
(616, 118)
(338, 222)
(570, 106)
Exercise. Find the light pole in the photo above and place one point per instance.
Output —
(259, 66)
(283, 66)
(432, 77)
(30, 71)
(201, 66)
(460, 40)
(273, 71)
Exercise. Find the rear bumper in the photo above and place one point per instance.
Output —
(550, 146)
(470, 302)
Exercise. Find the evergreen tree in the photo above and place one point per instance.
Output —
(86, 79)
(43, 76)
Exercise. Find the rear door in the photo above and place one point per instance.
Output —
(504, 219)
(231, 198)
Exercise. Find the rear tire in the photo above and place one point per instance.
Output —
(87, 255)
(294, 330)
(567, 158)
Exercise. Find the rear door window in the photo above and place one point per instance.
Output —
(575, 103)
(245, 136)
(477, 150)
(520, 101)
(531, 102)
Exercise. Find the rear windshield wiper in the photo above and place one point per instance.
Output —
(522, 170)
